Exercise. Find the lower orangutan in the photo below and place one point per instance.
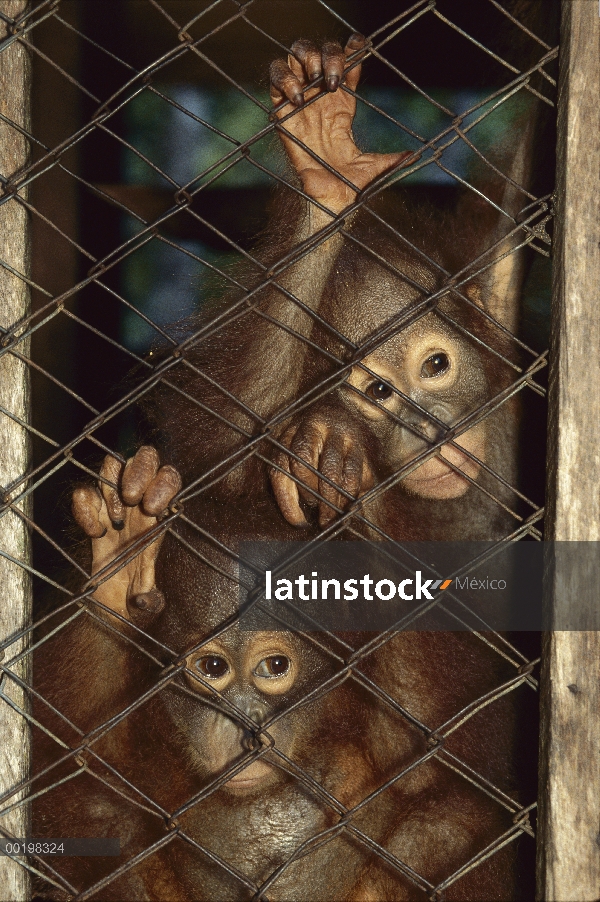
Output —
(255, 759)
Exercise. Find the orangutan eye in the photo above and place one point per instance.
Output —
(273, 666)
(379, 391)
(212, 667)
(435, 365)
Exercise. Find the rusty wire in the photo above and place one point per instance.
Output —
(263, 439)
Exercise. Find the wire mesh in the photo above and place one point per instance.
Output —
(393, 766)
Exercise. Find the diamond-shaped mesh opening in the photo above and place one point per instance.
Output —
(317, 371)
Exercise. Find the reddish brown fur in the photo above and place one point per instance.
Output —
(347, 741)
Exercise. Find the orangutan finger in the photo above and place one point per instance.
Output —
(333, 64)
(161, 491)
(307, 446)
(110, 471)
(331, 468)
(139, 472)
(284, 84)
(286, 493)
(352, 471)
(355, 43)
(309, 56)
(86, 505)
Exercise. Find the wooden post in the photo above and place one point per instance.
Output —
(15, 588)
(569, 831)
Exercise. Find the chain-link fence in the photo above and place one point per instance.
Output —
(345, 341)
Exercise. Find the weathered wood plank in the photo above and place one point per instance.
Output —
(569, 834)
(15, 589)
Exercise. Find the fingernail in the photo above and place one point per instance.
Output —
(314, 75)
(298, 99)
(102, 534)
(118, 524)
(333, 82)
(356, 40)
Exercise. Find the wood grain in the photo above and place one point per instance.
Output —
(15, 588)
(569, 834)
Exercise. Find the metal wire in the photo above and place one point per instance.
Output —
(88, 304)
